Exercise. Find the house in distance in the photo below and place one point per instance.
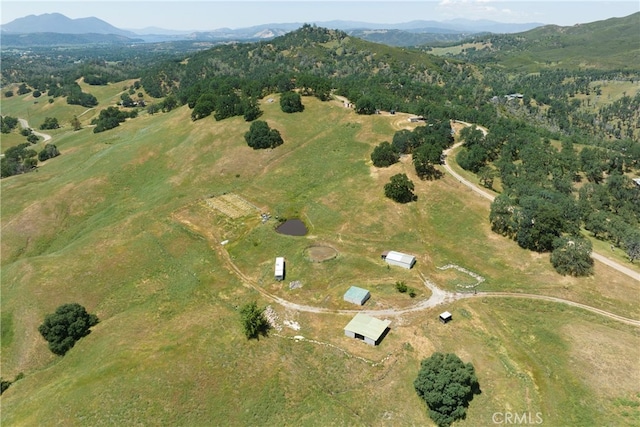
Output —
(279, 268)
(356, 295)
(399, 259)
(367, 328)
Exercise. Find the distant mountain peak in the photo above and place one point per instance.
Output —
(59, 23)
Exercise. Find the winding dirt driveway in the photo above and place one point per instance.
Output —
(25, 125)
(438, 296)
(597, 256)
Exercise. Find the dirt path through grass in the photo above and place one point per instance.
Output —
(25, 125)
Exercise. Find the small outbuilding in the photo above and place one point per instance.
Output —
(367, 328)
(279, 268)
(356, 295)
(399, 259)
(445, 317)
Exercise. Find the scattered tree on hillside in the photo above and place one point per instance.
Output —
(632, 246)
(75, 122)
(261, 136)
(399, 188)
(7, 124)
(291, 102)
(447, 385)
(425, 157)
(384, 155)
(169, 103)
(204, 106)
(127, 101)
(110, 118)
(66, 326)
(18, 159)
(251, 110)
(50, 123)
(572, 256)
(254, 323)
(50, 151)
(23, 89)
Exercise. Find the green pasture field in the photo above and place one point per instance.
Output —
(118, 223)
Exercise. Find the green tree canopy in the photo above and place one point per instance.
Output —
(384, 155)
(399, 188)
(254, 323)
(291, 102)
(68, 324)
(50, 123)
(50, 151)
(261, 136)
(447, 385)
(572, 256)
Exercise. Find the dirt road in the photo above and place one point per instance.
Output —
(597, 256)
(25, 125)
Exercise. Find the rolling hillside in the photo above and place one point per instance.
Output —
(121, 223)
(607, 45)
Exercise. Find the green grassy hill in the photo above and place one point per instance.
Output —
(120, 223)
(605, 45)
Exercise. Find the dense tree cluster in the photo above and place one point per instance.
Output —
(18, 159)
(8, 123)
(110, 118)
(260, 135)
(291, 102)
(50, 123)
(49, 152)
(63, 328)
(447, 385)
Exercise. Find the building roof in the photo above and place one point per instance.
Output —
(367, 326)
(636, 180)
(355, 293)
(445, 315)
(400, 257)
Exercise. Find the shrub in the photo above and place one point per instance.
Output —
(401, 287)
(253, 321)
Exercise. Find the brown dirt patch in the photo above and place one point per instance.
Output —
(321, 253)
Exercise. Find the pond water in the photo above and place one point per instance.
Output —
(292, 227)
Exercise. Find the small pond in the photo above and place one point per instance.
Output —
(292, 227)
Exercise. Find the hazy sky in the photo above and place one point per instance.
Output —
(212, 14)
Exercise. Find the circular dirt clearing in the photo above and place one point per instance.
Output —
(321, 253)
(292, 227)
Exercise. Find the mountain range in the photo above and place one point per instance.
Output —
(57, 23)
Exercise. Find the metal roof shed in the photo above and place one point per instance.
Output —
(356, 295)
(445, 317)
(367, 328)
(400, 259)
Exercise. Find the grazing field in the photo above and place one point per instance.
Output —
(122, 223)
